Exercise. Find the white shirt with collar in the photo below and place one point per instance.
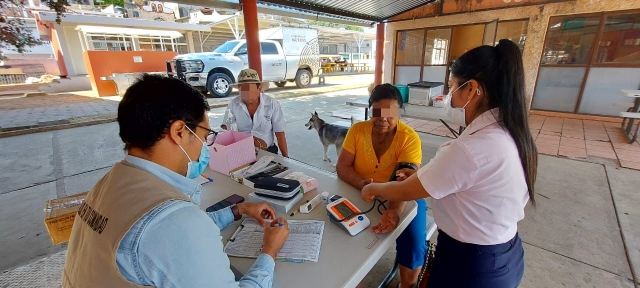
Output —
(267, 120)
(478, 184)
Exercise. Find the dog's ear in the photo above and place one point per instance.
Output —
(316, 113)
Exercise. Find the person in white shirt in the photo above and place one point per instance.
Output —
(481, 181)
(258, 114)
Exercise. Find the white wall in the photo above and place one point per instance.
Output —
(75, 51)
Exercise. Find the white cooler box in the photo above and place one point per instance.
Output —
(420, 93)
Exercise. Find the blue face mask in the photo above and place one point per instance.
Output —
(195, 169)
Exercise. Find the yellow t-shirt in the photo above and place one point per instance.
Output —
(406, 147)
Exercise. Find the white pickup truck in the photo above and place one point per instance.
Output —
(288, 55)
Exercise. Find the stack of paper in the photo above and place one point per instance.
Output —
(305, 239)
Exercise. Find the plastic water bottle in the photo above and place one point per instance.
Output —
(231, 121)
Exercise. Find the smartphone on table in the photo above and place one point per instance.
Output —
(231, 200)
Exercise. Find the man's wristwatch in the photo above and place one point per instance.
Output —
(236, 213)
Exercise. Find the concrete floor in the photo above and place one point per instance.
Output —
(577, 235)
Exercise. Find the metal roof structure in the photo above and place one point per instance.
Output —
(350, 12)
(369, 10)
(230, 27)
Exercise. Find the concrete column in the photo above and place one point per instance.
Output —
(379, 53)
(60, 50)
(190, 46)
(250, 11)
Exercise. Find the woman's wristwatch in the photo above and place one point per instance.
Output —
(236, 213)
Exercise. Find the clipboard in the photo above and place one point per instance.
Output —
(303, 244)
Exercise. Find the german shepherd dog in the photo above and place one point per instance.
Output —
(329, 134)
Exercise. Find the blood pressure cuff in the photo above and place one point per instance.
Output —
(401, 165)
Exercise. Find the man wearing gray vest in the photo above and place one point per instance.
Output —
(140, 225)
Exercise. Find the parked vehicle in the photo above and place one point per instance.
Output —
(288, 55)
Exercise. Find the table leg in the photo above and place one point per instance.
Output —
(635, 135)
(636, 109)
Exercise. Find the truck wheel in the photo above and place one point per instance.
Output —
(218, 85)
(303, 78)
(281, 84)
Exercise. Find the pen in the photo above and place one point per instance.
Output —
(207, 177)
(290, 260)
(233, 237)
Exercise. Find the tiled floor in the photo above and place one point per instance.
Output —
(586, 140)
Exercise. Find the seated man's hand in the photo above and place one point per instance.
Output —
(258, 211)
(388, 222)
(404, 173)
(259, 143)
(275, 236)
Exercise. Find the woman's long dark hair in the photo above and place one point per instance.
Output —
(500, 72)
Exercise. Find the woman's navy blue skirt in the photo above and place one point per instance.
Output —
(458, 264)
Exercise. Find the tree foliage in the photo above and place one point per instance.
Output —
(110, 2)
(14, 34)
(336, 25)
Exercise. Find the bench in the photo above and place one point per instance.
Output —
(630, 116)
(362, 103)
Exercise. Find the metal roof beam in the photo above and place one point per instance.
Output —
(323, 9)
(316, 17)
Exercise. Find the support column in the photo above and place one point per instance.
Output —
(250, 12)
(57, 48)
(379, 53)
(190, 46)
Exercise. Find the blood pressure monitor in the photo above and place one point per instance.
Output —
(344, 214)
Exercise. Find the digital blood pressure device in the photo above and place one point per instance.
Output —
(344, 214)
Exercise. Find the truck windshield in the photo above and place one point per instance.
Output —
(226, 47)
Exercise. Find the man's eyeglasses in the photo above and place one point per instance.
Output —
(211, 137)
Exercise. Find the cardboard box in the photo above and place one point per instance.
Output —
(231, 150)
(59, 215)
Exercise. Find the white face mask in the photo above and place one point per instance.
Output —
(456, 115)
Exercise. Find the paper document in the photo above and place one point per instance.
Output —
(305, 239)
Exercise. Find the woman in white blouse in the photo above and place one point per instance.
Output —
(481, 181)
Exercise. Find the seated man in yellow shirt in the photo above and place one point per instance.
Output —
(370, 153)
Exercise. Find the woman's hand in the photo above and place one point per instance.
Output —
(365, 182)
(258, 211)
(404, 173)
(369, 192)
(388, 222)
